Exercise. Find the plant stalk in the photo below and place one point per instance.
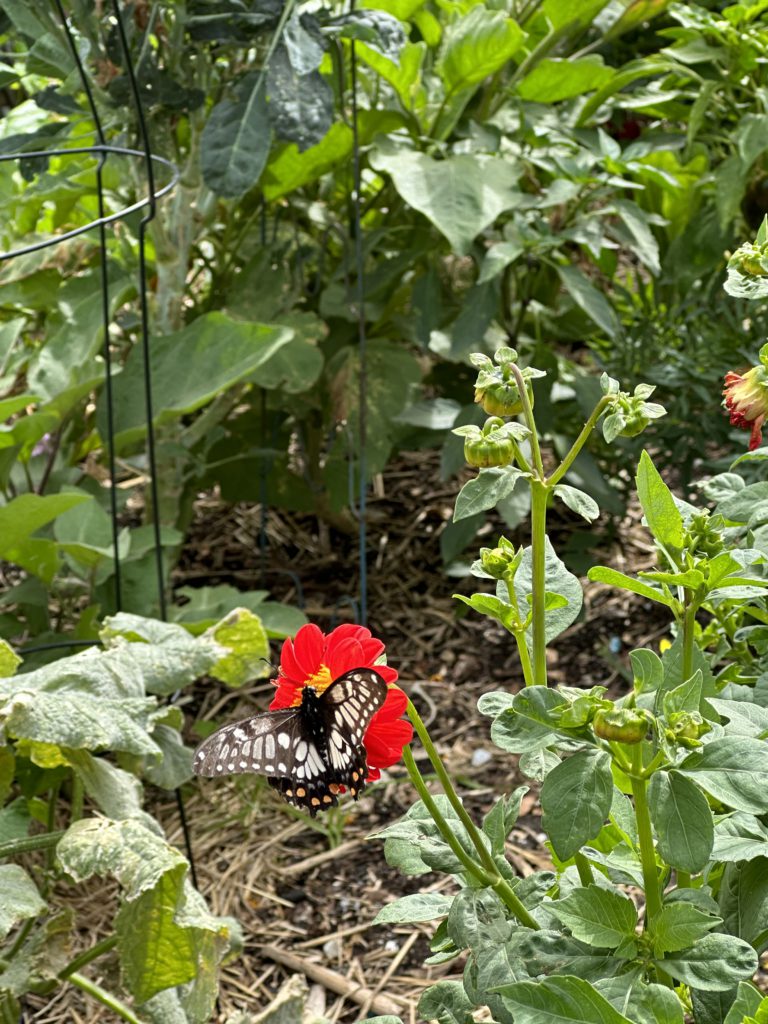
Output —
(105, 998)
(580, 441)
(645, 838)
(88, 955)
(539, 492)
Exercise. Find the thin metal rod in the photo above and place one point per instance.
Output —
(362, 347)
(119, 215)
(105, 311)
(145, 220)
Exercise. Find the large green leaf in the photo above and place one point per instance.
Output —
(189, 368)
(242, 633)
(236, 139)
(414, 907)
(590, 299)
(300, 105)
(557, 1000)
(743, 900)
(476, 46)
(560, 79)
(462, 195)
(683, 821)
(733, 769)
(597, 916)
(20, 518)
(575, 800)
(715, 963)
(661, 513)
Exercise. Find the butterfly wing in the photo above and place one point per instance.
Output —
(262, 743)
(347, 707)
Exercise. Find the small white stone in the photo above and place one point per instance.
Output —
(332, 949)
(481, 757)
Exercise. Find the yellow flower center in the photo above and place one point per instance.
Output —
(321, 680)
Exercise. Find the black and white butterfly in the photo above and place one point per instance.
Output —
(306, 752)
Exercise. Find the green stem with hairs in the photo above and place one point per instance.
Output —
(105, 998)
(45, 841)
(689, 627)
(580, 441)
(645, 838)
(487, 865)
(539, 493)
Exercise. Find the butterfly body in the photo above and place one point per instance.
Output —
(307, 752)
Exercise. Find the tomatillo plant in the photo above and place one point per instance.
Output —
(654, 804)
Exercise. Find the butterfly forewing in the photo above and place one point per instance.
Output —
(307, 752)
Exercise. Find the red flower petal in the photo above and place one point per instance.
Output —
(308, 648)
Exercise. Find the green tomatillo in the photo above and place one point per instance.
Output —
(495, 444)
(621, 725)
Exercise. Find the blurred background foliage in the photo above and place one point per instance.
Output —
(564, 178)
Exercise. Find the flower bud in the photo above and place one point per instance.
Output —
(501, 562)
(685, 728)
(624, 725)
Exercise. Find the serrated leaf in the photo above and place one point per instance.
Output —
(597, 916)
(557, 1000)
(678, 926)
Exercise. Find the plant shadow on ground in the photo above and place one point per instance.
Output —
(311, 892)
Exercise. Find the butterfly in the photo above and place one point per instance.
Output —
(307, 752)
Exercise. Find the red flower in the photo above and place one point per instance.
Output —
(746, 399)
(314, 659)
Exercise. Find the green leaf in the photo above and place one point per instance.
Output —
(743, 900)
(20, 518)
(136, 855)
(415, 907)
(242, 632)
(166, 937)
(300, 105)
(636, 222)
(575, 800)
(485, 491)
(678, 926)
(557, 580)
(733, 770)
(501, 819)
(599, 917)
(578, 501)
(662, 514)
(642, 1002)
(218, 353)
(9, 659)
(476, 46)
(19, 898)
(115, 792)
(518, 735)
(76, 720)
(613, 578)
(715, 963)
(683, 821)
(647, 669)
(738, 837)
(557, 1000)
(447, 1003)
(588, 298)
(289, 169)
(747, 1002)
(461, 195)
(478, 917)
(236, 140)
(555, 79)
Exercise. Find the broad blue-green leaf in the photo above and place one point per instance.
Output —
(599, 917)
(477, 917)
(578, 501)
(19, 898)
(488, 488)
(678, 926)
(418, 906)
(216, 352)
(738, 837)
(447, 1002)
(592, 301)
(557, 580)
(641, 1001)
(476, 46)
(743, 717)
(555, 79)
(748, 1000)
(236, 139)
(575, 800)
(733, 770)
(115, 792)
(501, 819)
(743, 900)
(462, 195)
(300, 105)
(715, 963)
(557, 1000)
(24, 515)
(205, 606)
(682, 819)
(662, 514)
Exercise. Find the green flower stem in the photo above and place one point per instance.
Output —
(445, 829)
(520, 459)
(519, 635)
(689, 627)
(530, 421)
(486, 871)
(584, 868)
(105, 998)
(580, 441)
(88, 955)
(645, 837)
(44, 841)
(539, 492)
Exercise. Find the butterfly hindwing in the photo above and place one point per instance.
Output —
(307, 752)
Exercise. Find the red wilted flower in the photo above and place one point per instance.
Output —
(314, 659)
(746, 399)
